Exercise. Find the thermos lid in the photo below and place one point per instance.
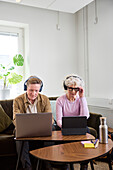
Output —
(103, 120)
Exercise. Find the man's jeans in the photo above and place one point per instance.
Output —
(23, 150)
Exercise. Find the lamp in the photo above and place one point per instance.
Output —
(18, 1)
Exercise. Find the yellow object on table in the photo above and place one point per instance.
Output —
(89, 145)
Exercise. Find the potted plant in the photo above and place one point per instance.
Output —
(7, 73)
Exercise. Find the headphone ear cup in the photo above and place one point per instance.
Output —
(65, 87)
(25, 86)
(41, 88)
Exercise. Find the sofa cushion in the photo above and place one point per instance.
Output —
(7, 145)
(9, 130)
(5, 120)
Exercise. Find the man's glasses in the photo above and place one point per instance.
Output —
(71, 89)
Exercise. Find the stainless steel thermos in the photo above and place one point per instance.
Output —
(103, 131)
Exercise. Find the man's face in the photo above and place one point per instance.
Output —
(32, 91)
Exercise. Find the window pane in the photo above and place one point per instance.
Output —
(11, 43)
(8, 47)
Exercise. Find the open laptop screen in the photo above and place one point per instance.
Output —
(76, 125)
(33, 124)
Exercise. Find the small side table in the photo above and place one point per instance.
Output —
(73, 153)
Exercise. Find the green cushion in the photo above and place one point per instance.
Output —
(5, 120)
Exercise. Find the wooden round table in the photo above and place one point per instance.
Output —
(72, 152)
(56, 137)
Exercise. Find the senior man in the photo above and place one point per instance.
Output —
(30, 102)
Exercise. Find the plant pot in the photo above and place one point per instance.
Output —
(4, 94)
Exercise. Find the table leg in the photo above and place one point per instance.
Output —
(19, 155)
(109, 161)
(37, 167)
(71, 166)
(91, 163)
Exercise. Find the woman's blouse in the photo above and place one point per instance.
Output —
(64, 107)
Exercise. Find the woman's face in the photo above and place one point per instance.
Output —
(72, 90)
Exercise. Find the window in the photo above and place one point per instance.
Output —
(11, 43)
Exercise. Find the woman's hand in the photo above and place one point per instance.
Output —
(81, 92)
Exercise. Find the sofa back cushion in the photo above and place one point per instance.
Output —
(7, 105)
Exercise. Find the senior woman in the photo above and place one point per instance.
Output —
(73, 103)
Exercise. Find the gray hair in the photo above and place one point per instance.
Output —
(74, 80)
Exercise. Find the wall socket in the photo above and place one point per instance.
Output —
(57, 26)
(110, 101)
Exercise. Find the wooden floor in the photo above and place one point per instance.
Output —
(98, 166)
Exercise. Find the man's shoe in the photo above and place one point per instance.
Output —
(66, 167)
(28, 168)
(60, 166)
(84, 167)
(112, 162)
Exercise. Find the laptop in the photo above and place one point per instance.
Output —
(33, 124)
(76, 125)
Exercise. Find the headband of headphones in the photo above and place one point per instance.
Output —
(25, 84)
(65, 87)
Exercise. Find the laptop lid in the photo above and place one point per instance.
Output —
(76, 125)
(33, 124)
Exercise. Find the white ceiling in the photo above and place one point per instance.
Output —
(69, 6)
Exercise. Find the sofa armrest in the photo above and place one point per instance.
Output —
(93, 132)
(94, 121)
(53, 108)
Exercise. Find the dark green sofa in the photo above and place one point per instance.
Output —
(8, 155)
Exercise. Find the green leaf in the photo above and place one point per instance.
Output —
(11, 68)
(15, 78)
(2, 66)
(1, 77)
(18, 60)
(6, 74)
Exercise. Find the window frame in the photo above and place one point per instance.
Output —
(20, 32)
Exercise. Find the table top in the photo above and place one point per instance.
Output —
(57, 136)
(71, 152)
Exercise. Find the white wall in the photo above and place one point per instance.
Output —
(52, 52)
(99, 39)
(95, 55)
(101, 50)
(80, 47)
